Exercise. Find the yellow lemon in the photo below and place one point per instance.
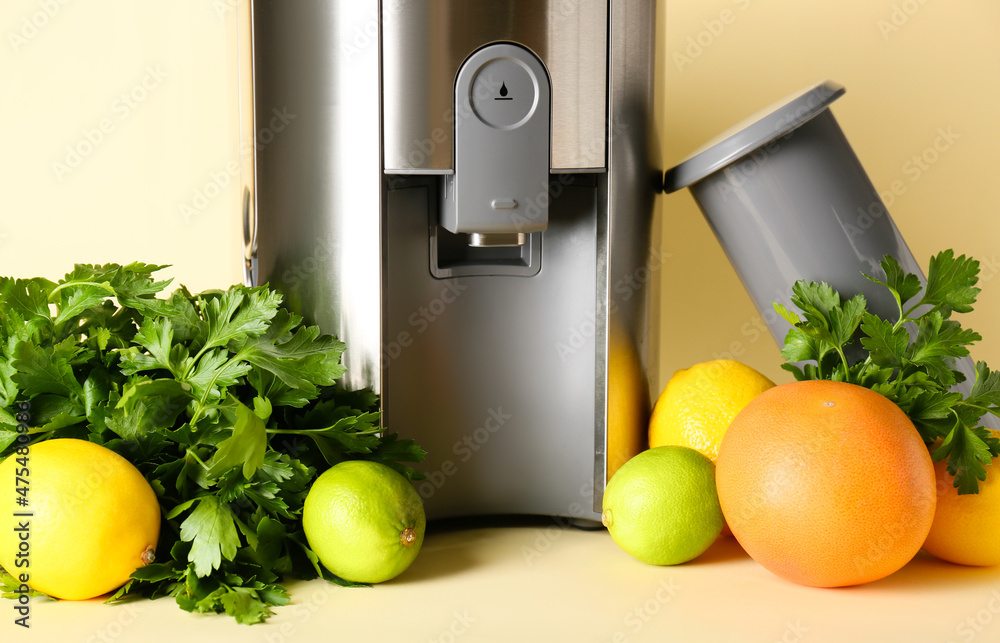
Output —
(966, 526)
(696, 407)
(662, 506)
(364, 521)
(85, 520)
(628, 400)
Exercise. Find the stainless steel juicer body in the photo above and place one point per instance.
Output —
(463, 194)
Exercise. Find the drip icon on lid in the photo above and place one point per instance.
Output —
(503, 93)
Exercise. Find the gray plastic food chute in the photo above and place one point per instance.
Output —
(460, 191)
(788, 199)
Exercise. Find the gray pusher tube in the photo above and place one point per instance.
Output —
(788, 199)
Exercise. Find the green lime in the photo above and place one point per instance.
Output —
(364, 520)
(661, 506)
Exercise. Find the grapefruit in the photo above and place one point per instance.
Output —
(826, 483)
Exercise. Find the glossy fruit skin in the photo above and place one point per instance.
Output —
(364, 520)
(966, 528)
(94, 518)
(698, 404)
(628, 400)
(826, 483)
(662, 507)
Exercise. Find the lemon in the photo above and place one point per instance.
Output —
(662, 506)
(698, 404)
(628, 400)
(364, 520)
(965, 526)
(93, 518)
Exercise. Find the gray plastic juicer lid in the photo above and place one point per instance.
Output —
(760, 129)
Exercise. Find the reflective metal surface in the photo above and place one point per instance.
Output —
(498, 240)
(493, 358)
(494, 376)
(426, 41)
(319, 180)
(248, 170)
(626, 258)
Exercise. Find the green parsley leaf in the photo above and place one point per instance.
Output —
(968, 452)
(951, 282)
(219, 399)
(903, 286)
(909, 359)
(212, 533)
(886, 344)
(244, 448)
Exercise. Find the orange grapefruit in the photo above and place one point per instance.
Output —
(826, 483)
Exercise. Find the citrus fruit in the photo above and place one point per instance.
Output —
(628, 400)
(93, 518)
(364, 520)
(661, 506)
(698, 403)
(826, 483)
(966, 526)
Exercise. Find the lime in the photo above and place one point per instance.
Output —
(75, 517)
(662, 507)
(364, 520)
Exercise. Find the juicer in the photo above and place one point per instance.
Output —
(464, 196)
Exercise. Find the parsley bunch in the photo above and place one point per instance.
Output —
(224, 400)
(909, 359)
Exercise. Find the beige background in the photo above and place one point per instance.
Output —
(158, 184)
(910, 67)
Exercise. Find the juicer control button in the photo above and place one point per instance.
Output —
(503, 204)
(504, 93)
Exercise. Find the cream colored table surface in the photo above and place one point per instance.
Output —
(538, 581)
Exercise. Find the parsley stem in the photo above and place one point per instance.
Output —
(70, 284)
(843, 361)
(194, 455)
